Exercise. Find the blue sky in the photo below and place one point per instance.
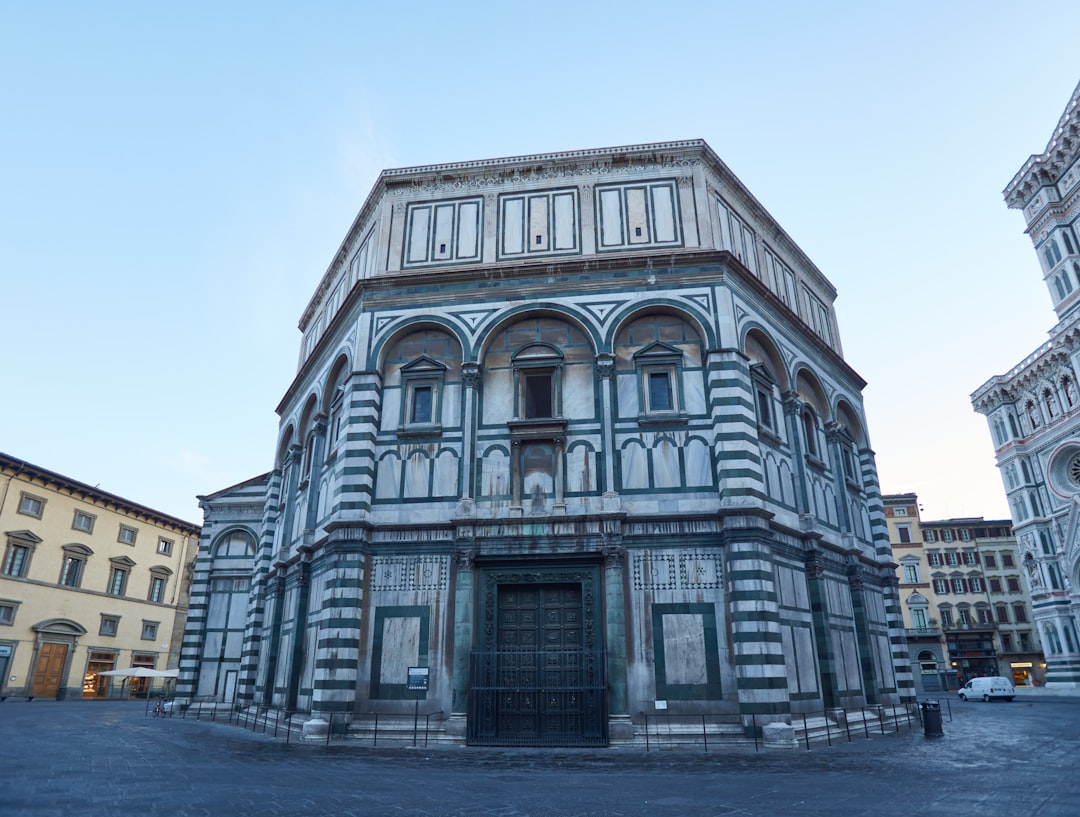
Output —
(175, 179)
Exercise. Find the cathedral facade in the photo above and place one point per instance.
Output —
(571, 441)
(1034, 409)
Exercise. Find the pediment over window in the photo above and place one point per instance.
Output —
(25, 537)
(160, 570)
(538, 353)
(917, 600)
(122, 561)
(658, 352)
(81, 550)
(59, 626)
(761, 372)
(423, 366)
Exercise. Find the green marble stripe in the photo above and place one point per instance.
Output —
(759, 637)
(750, 574)
(764, 707)
(754, 617)
(760, 660)
(339, 643)
(772, 682)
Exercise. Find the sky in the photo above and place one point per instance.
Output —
(175, 179)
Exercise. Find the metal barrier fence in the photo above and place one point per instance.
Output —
(339, 727)
(665, 730)
(671, 730)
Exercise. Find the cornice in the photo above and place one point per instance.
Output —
(21, 468)
(1045, 168)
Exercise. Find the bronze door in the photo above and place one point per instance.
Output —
(539, 686)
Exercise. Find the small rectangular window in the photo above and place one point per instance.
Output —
(83, 522)
(1007, 560)
(934, 559)
(157, 589)
(940, 587)
(1013, 584)
(1002, 613)
(958, 585)
(109, 625)
(420, 411)
(15, 560)
(149, 630)
(7, 613)
(31, 505)
(538, 393)
(929, 536)
(127, 535)
(1020, 613)
(71, 572)
(903, 533)
(995, 585)
(969, 559)
(117, 581)
(764, 407)
(1006, 642)
(164, 547)
(946, 618)
(660, 392)
(990, 560)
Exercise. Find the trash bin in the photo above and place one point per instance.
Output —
(931, 718)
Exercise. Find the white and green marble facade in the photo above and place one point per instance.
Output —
(1033, 410)
(695, 456)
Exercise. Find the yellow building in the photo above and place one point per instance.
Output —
(89, 582)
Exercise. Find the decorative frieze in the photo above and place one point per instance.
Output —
(403, 573)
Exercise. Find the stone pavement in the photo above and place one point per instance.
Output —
(78, 758)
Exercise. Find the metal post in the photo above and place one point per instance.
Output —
(415, 719)
(329, 728)
(704, 733)
(806, 732)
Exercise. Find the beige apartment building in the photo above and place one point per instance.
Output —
(967, 612)
(89, 582)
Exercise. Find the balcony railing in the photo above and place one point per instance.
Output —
(923, 632)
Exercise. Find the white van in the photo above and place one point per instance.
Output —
(987, 689)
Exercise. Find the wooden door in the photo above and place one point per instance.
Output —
(50, 670)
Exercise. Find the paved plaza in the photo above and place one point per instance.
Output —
(108, 758)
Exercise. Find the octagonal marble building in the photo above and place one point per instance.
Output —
(571, 441)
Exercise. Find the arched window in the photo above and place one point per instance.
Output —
(928, 664)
